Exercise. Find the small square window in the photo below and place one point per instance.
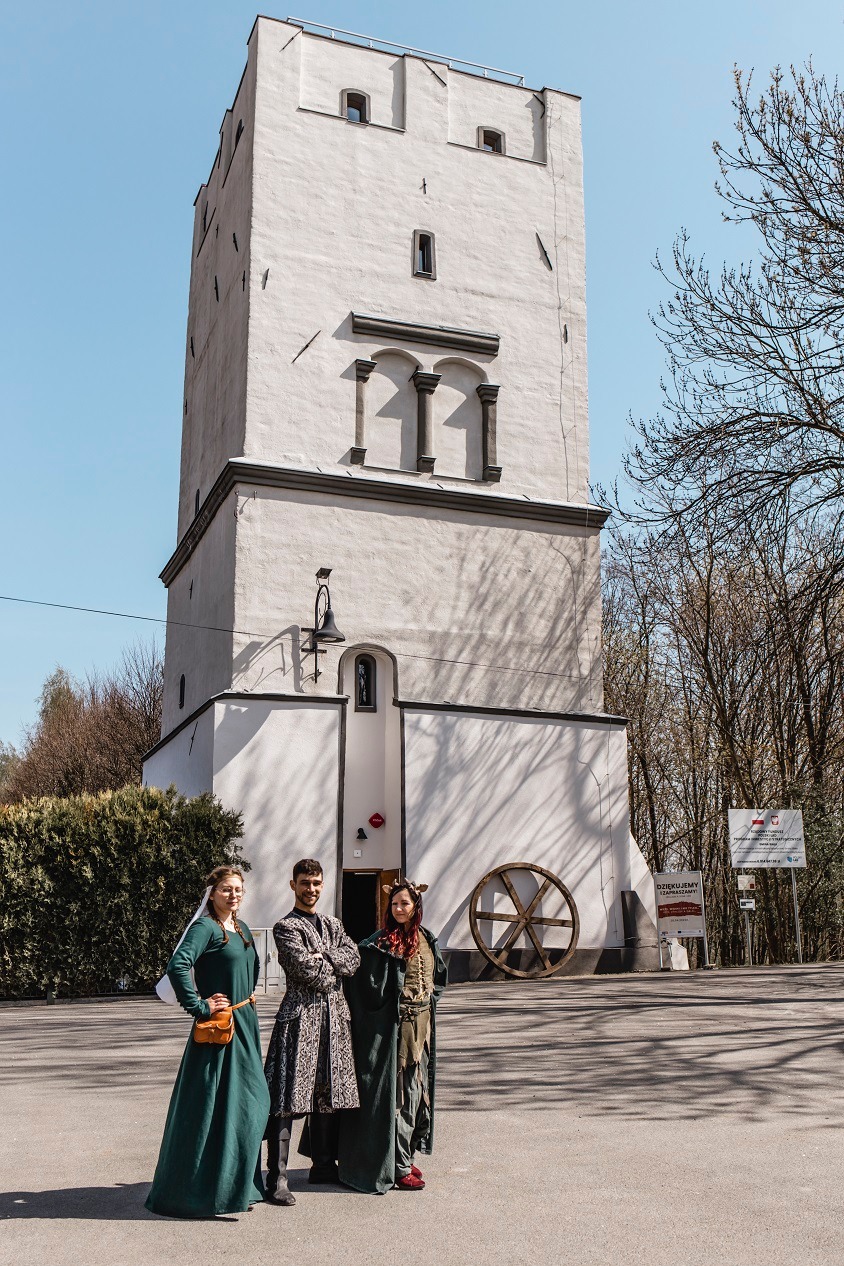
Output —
(356, 107)
(424, 256)
(490, 140)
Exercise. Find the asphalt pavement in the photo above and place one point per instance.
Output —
(671, 1119)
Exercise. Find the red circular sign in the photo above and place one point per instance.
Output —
(377, 820)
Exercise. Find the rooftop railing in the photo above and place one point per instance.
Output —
(453, 63)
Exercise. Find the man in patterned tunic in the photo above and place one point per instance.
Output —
(310, 1067)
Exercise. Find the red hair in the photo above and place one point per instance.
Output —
(402, 939)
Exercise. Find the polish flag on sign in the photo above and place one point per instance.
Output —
(758, 822)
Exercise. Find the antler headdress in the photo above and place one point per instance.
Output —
(397, 885)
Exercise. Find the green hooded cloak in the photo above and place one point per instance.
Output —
(367, 1151)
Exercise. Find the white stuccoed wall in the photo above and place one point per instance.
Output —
(482, 791)
(201, 611)
(335, 207)
(187, 760)
(477, 609)
(278, 763)
(214, 421)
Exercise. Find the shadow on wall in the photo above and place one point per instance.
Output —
(287, 791)
(391, 404)
(574, 817)
(476, 610)
(458, 440)
(278, 662)
(529, 791)
(519, 629)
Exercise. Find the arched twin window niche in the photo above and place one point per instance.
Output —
(442, 420)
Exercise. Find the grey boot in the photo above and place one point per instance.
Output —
(278, 1150)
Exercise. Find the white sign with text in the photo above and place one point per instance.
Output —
(767, 837)
(679, 904)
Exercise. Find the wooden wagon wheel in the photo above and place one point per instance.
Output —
(523, 920)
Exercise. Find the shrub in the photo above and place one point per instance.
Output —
(98, 888)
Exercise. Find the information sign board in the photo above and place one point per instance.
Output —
(767, 837)
(679, 904)
(747, 903)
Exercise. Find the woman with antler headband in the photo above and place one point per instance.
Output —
(393, 1000)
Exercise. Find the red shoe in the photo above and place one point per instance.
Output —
(410, 1182)
(416, 1171)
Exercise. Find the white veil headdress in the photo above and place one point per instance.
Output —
(164, 989)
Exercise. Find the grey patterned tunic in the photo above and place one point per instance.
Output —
(314, 1003)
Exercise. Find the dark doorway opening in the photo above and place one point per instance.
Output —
(360, 903)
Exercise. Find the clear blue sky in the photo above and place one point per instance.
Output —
(111, 111)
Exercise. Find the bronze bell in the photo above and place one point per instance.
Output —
(328, 631)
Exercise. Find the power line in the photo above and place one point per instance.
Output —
(213, 628)
(125, 615)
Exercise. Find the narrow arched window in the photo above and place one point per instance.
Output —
(182, 691)
(355, 106)
(490, 140)
(365, 684)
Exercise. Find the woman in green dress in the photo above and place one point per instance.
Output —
(210, 1159)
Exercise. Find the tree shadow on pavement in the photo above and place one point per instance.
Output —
(647, 1049)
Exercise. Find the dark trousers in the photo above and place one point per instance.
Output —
(324, 1136)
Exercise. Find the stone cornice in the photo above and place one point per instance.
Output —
(523, 714)
(413, 332)
(407, 705)
(240, 470)
(251, 696)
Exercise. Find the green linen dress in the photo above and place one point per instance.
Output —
(210, 1159)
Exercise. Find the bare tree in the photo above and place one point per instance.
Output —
(729, 658)
(8, 760)
(724, 606)
(753, 402)
(91, 735)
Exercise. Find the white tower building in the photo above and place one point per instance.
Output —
(386, 377)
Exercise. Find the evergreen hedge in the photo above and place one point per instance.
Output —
(97, 888)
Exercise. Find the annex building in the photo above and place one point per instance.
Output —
(386, 381)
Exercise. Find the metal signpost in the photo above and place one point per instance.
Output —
(679, 908)
(746, 884)
(769, 838)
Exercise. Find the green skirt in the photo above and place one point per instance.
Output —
(210, 1160)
